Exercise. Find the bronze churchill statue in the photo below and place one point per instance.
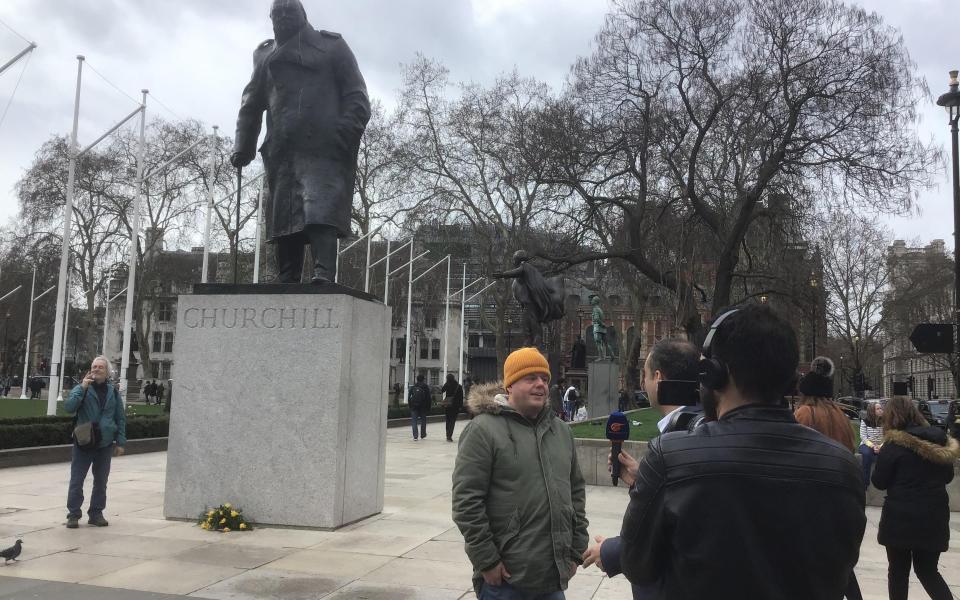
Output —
(308, 83)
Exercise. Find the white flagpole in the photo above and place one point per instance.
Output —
(446, 322)
(386, 275)
(53, 392)
(26, 351)
(366, 271)
(256, 251)
(209, 215)
(463, 318)
(132, 264)
(406, 370)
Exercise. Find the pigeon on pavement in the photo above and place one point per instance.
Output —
(12, 552)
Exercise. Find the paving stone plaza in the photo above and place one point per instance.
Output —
(412, 551)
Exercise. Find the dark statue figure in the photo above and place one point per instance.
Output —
(578, 354)
(541, 300)
(316, 102)
(604, 351)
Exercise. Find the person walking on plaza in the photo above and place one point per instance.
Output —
(871, 439)
(158, 392)
(148, 391)
(96, 400)
(724, 511)
(419, 401)
(36, 385)
(818, 411)
(452, 403)
(914, 467)
(519, 498)
(569, 402)
(556, 397)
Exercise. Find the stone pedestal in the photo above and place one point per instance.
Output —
(280, 405)
(603, 387)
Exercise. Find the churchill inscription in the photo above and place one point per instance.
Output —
(269, 317)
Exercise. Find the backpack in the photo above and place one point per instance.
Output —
(419, 397)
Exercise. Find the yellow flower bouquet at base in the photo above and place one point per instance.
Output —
(224, 518)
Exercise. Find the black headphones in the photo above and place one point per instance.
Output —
(713, 373)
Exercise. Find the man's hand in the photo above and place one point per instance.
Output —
(592, 554)
(876, 449)
(628, 468)
(238, 160)
(496, 575)
(87, 380)
(118, 451)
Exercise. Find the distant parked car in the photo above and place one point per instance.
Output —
(640, 399)
(935, 412)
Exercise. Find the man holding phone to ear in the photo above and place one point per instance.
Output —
(96, 400)
(729, 510)
(674, 360)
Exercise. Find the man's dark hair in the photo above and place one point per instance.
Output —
(760, 351)
(676, 358)
(420, 379)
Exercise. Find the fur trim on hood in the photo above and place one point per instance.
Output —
(487, 398)
(936, 453)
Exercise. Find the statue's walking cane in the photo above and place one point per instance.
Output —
(236, 255)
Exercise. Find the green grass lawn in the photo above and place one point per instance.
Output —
(15, 407)
(646, 430)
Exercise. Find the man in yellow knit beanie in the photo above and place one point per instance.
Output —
(518, 495)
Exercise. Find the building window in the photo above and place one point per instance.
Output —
(424, 348)
(165, 369)
(431, 319)
(164, 312)
(435, 349)
(155, 367)
(434, 376)
(157, 341)
(401, 347)
(168, 341)
(474, 340)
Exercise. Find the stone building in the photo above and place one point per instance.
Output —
(921, 291)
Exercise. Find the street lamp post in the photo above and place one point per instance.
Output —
(813, 287)
(951, 102)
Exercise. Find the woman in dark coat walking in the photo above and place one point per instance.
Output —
(452, 403)
(914, 466)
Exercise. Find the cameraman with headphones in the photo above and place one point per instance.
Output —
(732, 509)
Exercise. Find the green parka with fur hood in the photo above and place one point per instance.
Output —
(518, 494)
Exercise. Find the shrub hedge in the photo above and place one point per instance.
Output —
(26, 432)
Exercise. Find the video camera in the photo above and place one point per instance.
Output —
(684, 393)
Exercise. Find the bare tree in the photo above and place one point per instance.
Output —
(856, 279)
(691, 115)
(476, 153)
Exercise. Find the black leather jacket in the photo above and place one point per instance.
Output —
(754, 506)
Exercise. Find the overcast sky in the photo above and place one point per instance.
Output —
(195, 57)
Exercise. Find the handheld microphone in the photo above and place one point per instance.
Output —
(618, 429)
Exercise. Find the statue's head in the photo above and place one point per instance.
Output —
(595, 300)
(288, 18)
(520, 256)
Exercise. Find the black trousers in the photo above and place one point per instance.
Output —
(323, 247)
(451, 413)
(924, 565)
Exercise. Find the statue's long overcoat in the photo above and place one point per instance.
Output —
(317, 108)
